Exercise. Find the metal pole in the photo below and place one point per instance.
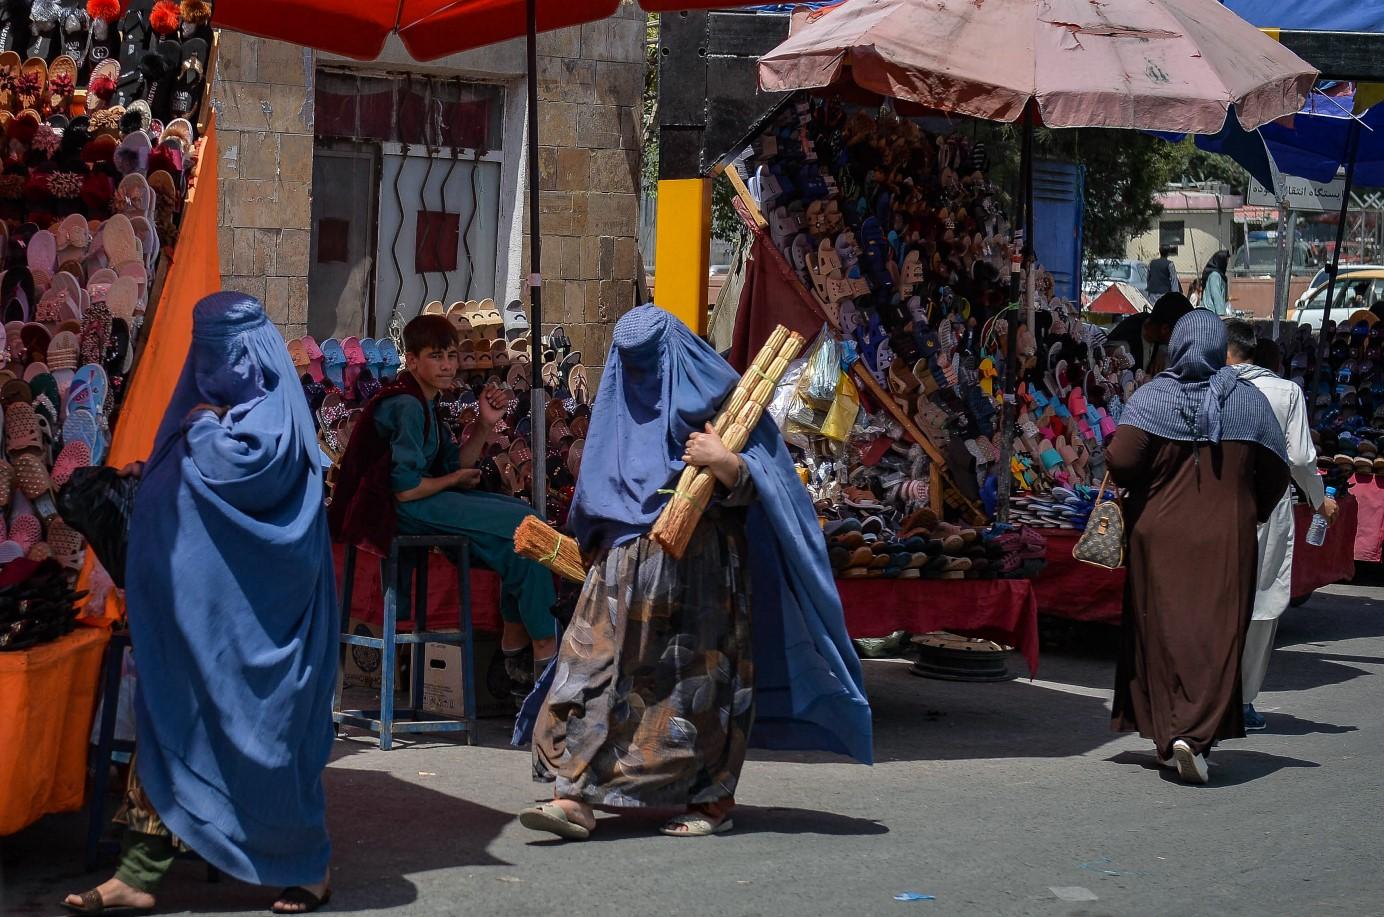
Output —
(538, 407)
(1011, 363)
(1282, 266)
(1324, 345)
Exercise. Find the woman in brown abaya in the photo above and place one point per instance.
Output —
(1204, 462)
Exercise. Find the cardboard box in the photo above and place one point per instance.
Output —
(442, 679)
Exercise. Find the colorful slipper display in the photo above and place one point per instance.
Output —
(90, 207)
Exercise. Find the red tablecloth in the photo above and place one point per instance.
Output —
(1070, 589)
(1368, 492)
(367, 601)
(1001, 610)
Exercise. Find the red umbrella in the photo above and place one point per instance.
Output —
(431, 29)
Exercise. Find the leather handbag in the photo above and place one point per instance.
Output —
(1103, 542)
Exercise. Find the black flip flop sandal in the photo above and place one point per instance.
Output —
(76, 36)
(103, 43)
(14, 25)
(136, 39)
(43, 33)
(160, 69)
(187, 88)
(301, 896)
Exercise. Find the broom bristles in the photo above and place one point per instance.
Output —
(539, 541)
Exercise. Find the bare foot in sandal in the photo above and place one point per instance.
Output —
(108, 896)
(700, 821)
(303, 899)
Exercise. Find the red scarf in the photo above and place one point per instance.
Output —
(363, 510)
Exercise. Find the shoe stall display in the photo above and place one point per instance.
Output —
(95, 174)
(339, 377)
(102, 111)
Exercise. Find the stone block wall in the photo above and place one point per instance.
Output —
(591, 82)
(264, 107)
(590, 91)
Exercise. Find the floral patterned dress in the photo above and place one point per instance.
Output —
(653, 695)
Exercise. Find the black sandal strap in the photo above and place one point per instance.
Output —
(301, 896)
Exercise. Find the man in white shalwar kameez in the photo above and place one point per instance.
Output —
(1274, 587)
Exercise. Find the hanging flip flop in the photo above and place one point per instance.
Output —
(187, 85)
(160, 70)
(75, 28)
(136, 38)
(43, 29)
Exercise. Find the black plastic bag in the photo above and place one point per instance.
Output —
(98, 503)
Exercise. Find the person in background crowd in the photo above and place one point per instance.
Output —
(1258, 363)
(232, 604)
(1163, 274)
(1215, 283)
(405, 472)
(1203, 459)
(662, 682)
(1194, 292)
(1146, 335)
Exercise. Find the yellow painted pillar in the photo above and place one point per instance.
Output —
(682, 249)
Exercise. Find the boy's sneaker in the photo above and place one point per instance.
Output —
(1254, 720)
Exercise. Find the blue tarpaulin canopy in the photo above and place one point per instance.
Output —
(1319, 15)
(1312, 144)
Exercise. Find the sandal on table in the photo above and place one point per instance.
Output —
(307, 901)
(552, 818)
(696, 824)
(92, 904)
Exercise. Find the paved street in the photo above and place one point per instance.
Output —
(998, 799)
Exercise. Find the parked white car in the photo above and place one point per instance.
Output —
(1311, 308)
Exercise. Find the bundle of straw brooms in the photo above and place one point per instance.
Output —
(739, 414)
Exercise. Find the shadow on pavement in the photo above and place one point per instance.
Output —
(376, 822)
(1284, 724)
(1228, 767)
(641, 825)
(926, 719)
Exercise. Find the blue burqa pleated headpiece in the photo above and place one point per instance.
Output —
(231, 596)
(1200, 399)
(661, 383)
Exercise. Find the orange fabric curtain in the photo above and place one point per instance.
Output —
(194, 271)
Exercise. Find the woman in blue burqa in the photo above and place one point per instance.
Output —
(670, 668)
(231, 594)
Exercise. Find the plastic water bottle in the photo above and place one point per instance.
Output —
(1316, 532)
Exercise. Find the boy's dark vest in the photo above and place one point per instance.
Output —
(363, 510)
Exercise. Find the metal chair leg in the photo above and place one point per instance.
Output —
(391, 625)
(468, 645)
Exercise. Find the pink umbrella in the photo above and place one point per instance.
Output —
(1167, 65)
(1162, 65)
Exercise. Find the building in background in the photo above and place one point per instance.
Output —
(1196, 223)
(350, 190)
